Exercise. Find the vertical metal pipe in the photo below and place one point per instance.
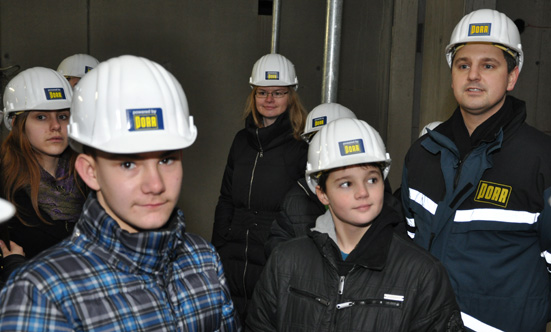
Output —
(275, 25)
(331, 52)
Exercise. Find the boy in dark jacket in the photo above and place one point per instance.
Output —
(352, 272)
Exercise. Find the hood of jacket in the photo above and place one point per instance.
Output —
(372, 250)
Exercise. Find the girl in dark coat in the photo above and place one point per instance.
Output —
(266, 158)
(38, 175)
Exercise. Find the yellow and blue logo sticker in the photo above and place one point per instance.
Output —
(145, 119)
(354, 146)
(272, 75)
(54, 93)
(480, 29)
(318, 122)
(493, 193)
(87, 69)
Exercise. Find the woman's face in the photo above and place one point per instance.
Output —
(271, 102)
(47, 132)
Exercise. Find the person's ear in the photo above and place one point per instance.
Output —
(322, 196)
(512, 78)
(85, 165)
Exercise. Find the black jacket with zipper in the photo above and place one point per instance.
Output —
(387, 283)
(263, 164)
(480, 204)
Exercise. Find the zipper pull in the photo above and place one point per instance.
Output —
(345, 305)
(341, 285)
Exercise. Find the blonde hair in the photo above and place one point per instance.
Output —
(297, 112)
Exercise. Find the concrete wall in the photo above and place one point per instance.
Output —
(211, 45)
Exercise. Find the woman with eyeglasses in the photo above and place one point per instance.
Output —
(37, 167)
(266, 159)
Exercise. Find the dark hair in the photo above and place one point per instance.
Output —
(511, 61)
(323, 175)
(92, 152)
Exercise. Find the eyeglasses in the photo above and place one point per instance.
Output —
(275, 94)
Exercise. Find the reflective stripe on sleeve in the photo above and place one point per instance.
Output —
(499, 215)
(476, 325)
(423, 200)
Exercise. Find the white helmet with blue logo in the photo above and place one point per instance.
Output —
(36, 88)
(273, 70)
(486, 26)
(344, 142)
(321, 115)
(130, 104)
(77, 65)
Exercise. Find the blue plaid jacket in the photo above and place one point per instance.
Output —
(105, 279)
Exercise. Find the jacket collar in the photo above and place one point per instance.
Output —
(372, 250)
(266, 138)
(507, 120)
(148, 251)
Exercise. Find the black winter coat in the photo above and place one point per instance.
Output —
(263, 164)
(387, 283)
(35, 238)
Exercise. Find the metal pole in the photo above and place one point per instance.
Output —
(275, 25)
(332, 51)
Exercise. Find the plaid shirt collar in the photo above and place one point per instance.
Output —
(147, 251)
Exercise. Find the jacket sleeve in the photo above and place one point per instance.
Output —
(436, 308)
(261, 316)
(544, 224)
(230, 321)
(224, 209)
(281, 229)
(299, 211)
(25, 308)
(9, 264)
(404, 195)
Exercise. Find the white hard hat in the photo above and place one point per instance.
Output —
(36, 88)
(77, 65)
(7, 210)
(489, 26)
(130, 104)
(344, 142)
(321, 115)
(273, 70)
(430, 126)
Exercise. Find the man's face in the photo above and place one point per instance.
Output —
(141, 190)
(480, 79)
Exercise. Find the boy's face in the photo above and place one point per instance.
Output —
(354, 195)
(139, 191)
